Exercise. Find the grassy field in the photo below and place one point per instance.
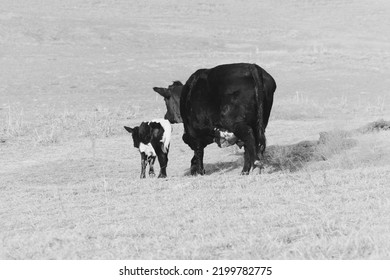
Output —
(74, 73)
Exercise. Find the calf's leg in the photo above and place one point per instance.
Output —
(143, 165)
(163, 161)
(151, 161)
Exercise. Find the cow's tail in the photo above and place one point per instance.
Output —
(260, 99)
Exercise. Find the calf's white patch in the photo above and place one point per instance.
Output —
(147, 149)
(166, 138)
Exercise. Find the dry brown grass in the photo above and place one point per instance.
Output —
(325, 200)
(12, 122)
(53, 127)
(317, 215)
(69, 186)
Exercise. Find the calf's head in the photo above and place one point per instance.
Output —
(135, 133)
(172, 101)
(141, 134)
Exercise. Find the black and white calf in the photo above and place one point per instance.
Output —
(152, 139)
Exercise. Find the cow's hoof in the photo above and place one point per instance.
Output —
(162, 176)
(244, 172)
(152, 174)
(195, 172)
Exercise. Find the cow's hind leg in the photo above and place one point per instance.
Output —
(151, 161)
(260, 144)
(245, 133)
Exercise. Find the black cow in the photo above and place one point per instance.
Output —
(152, 139)
(228, 103)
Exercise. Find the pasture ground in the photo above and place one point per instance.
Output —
(74, 73)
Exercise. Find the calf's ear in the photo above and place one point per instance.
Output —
(164, 92)
(129, 129)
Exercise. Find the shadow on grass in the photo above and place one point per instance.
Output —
(220, 167)
(293, 157)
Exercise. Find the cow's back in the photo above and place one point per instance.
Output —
(219, 97)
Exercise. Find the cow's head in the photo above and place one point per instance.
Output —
(172, 101)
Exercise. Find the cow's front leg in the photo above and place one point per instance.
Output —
(197, 161)
(151, 161)
(143, 165)
(194, 164)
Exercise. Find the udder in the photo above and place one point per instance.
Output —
(226, 138)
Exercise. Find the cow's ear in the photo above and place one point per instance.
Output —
(129, 129)
(164, 92)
